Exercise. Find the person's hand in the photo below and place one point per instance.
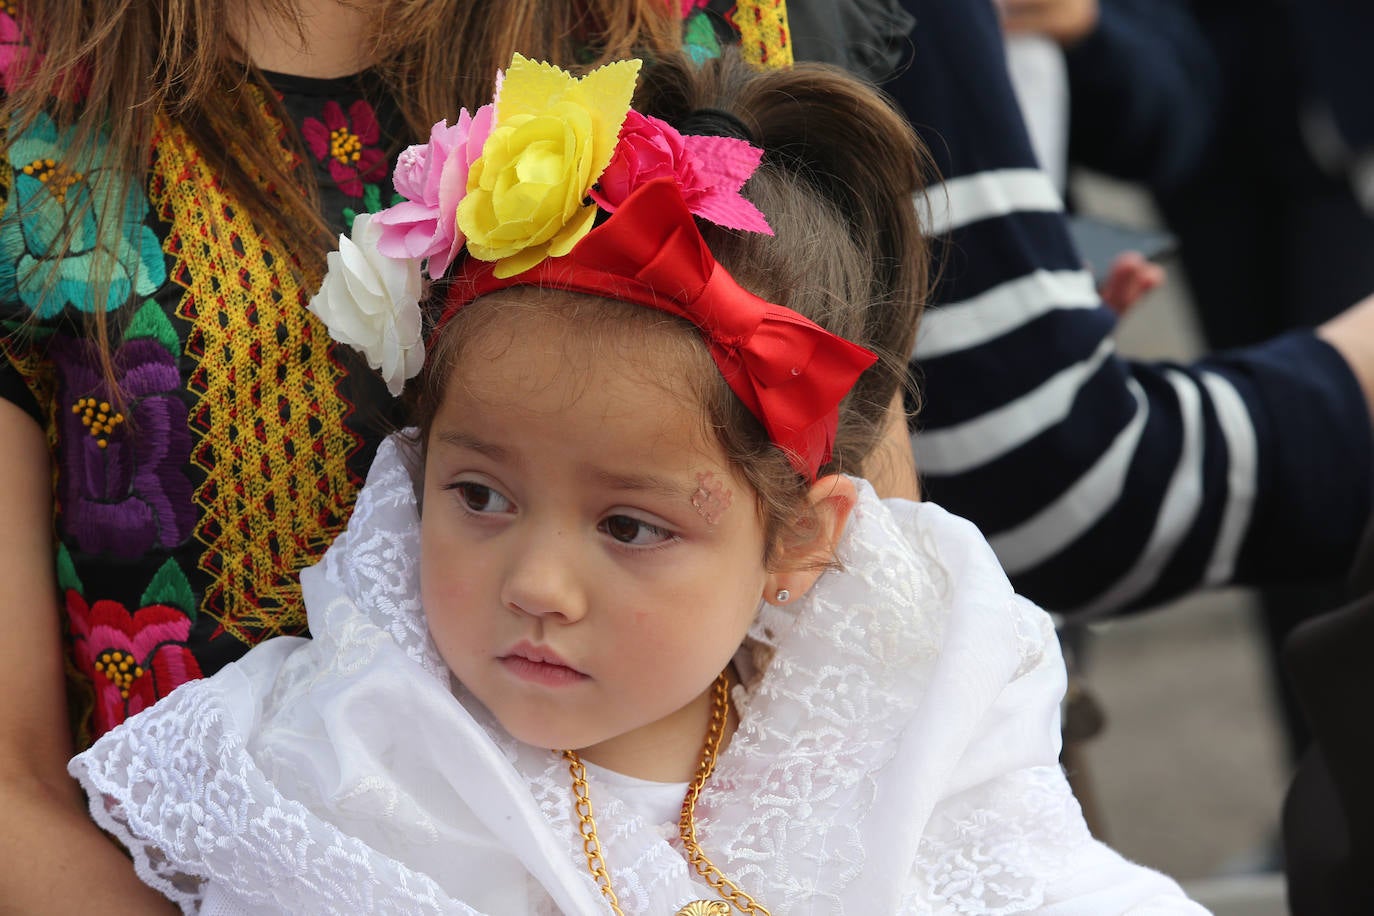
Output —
(1065, 21)
(1130, 277)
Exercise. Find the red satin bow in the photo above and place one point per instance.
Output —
(787, 370)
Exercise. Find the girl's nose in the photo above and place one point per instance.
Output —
(542, 579)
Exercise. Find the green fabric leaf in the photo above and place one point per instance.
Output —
(66, 572)
(699, 38)
(152, 321)
(170, 587)
(372, 198)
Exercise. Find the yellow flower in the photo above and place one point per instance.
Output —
(553, 137)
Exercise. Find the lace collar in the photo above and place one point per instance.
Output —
(358, 748)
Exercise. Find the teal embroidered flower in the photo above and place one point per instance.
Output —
(47, 191)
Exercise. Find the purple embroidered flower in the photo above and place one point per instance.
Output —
(121, 485)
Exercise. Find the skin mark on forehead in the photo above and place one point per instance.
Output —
(710, 498)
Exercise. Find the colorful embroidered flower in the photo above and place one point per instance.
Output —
(121, 487)
(553, 137)
(433, 177)
(709, 171)
(49, 192)
(348, 144)
(371, 302)
(15, 53)
(133, 660)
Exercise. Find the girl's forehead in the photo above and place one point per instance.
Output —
(550, 360)
(537, 334)
(554, 412)
(544, 361)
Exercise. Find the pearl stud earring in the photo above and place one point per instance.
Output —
(782, 596)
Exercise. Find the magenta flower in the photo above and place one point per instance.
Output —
(709, 171)
(348, 144)
(15, 55)
(433, 178)
(133, 660)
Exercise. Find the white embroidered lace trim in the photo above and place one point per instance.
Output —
(795, 814)
(187, 801)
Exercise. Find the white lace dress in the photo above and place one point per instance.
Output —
(898, 754)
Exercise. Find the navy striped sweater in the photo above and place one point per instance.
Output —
(1103, 484)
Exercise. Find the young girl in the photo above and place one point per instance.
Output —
(614, 631)
(179, 437)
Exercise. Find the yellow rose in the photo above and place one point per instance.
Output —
(553, 137)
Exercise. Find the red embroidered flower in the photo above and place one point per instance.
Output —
(18, 59)
(133, 660)
(348, 144)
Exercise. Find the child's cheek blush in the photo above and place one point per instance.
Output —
(710, 498)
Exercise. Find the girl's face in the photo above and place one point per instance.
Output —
(590, 562)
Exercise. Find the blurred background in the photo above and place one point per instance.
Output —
(1189, 771)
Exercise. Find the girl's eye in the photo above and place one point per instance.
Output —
(481, 498)
(627, 530)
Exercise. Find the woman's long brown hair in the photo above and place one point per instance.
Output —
(109, 69)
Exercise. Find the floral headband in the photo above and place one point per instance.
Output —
(518, 187)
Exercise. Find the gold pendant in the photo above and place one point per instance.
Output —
(705, 908)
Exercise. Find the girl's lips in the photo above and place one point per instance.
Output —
(546, 673)
(540, 666)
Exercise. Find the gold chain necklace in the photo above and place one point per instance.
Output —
(686, 825)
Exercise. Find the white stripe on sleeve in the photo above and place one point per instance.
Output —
(977, 320)
(1177, 510)
(1064, 520)
(984, 195)
(1241, 478)
(965, 446)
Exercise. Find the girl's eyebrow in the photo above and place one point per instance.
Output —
(644, 483)
(468, 441)
(662, 486)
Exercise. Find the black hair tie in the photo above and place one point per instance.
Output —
(713, 122)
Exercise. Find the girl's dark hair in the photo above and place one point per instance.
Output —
(838, 183)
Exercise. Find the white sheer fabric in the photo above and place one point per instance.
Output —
(896, 754)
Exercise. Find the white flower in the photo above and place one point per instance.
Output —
(372, 303)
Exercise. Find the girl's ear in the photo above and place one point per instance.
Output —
(801, 562)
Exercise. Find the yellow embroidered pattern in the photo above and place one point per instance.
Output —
(764, 40)
(271, 437)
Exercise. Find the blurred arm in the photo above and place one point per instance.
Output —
(55, 859)
(1145, 91)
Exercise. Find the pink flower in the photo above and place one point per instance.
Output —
(688, 7)
(133, 660)
(433, 178)
(348, 144)
(709, 171)
(16, 58)
(18, 61)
